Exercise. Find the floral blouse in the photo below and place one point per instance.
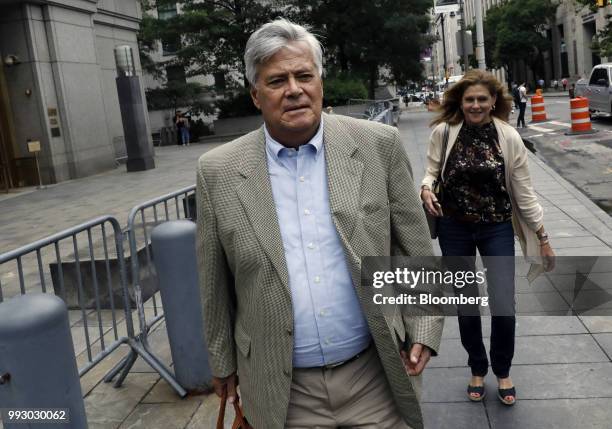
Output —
(474, 187)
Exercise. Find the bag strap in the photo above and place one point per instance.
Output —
(221, 415)
(240, 421)
(443, 155)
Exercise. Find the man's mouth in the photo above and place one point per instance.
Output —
(292, 108)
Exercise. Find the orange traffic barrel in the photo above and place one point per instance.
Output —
(538, 114)
(581, 118)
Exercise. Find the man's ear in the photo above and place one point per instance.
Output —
(253, 92)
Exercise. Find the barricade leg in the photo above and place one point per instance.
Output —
(36, 351)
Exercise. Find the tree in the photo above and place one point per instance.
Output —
(516, 30)
(212, 33)
(363, 36)
(178, 94)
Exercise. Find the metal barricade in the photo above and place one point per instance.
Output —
(141, 220)
(82, 277)
(383, 111)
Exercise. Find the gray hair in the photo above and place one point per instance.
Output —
(271, 38)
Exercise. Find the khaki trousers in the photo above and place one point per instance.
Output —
(354, 395)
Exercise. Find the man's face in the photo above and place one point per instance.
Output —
(289, 93)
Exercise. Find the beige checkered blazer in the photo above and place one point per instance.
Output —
(244, 285)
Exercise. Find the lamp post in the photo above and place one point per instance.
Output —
(441, 17)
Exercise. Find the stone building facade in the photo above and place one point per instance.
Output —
(57, 86)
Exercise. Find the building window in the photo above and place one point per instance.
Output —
(175, 74)
(219, 81)
(167, 11)
(171, 45)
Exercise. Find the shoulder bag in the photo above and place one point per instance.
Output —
(432, 221)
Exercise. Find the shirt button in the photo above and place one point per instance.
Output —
(311, 245)
(306, 212)
(317, 279)
(322, 313)
(327, 341)
(302, 179)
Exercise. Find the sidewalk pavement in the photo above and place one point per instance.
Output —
(562, 364)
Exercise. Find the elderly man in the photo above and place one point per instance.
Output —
(285, 214)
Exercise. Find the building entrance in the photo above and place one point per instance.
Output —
(6, 141)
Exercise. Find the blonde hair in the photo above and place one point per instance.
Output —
(450, 110)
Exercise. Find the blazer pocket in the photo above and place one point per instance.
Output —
(377, 216)
(243, 341)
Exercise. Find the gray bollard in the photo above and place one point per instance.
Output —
(37, 362)
(174, 253)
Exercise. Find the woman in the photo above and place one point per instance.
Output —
(486, 198)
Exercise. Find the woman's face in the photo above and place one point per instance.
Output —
(477, 104)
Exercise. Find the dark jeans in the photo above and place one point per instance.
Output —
(521, 116)
(492, 241)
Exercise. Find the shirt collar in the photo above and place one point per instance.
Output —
(274, 148)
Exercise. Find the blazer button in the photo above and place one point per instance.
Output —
(289, 331)
(287, 372)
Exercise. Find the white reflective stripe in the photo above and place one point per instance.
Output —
(540, 129)
(537, 104)
(580, 110)
(581, 121)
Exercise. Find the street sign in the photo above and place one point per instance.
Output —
(447, 8)
(34, 146)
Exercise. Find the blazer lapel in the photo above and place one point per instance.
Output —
(344, 173)
(255, 195)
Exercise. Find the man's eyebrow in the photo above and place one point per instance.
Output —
(286, 73)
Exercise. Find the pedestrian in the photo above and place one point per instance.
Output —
(522, 90)
(555, 84)
(572, 91)
(486, 199)
(285, 213)
(516, 97)
(179, 125)
(564, 83)
(182, 125)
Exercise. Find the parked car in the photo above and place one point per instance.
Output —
(597, 89)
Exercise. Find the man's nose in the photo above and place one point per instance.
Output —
(293, 87)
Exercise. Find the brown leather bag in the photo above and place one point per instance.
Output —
(240, 422)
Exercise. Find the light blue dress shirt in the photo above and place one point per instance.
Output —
(329, 325)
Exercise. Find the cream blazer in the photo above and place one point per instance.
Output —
(527, 213)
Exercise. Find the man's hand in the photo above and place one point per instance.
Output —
(230, 382)
(415, 361)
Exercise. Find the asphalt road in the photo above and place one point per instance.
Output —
(584, 160)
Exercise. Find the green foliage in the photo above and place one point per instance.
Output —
(240, 104)
(339, 89)
(178, 94)
(361, 36)
(515, 30)
(213, 33)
